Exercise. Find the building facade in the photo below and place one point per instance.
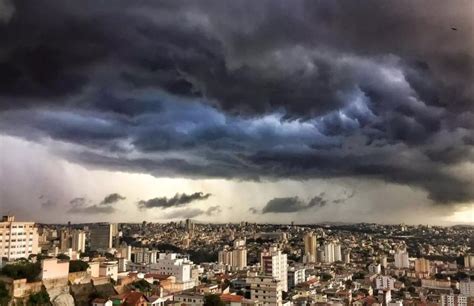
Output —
(101, 236)
(274, 263)
(265, 289)
(17, 239)
(310, 248)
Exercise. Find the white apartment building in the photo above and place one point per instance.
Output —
(401, 259)
(274, 263)
(453, 300)
(17, 239)
(296, 276)
(266, 290)
(175, 265)
(469, 261)
(74, 240)
(466, 287)
(110, 269)
(78, 241)
(332, 252)
(235, 259)
(337, 252)
(375, 268)
(384, 282)
(144, 255)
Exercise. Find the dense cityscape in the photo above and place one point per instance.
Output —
(194, 264)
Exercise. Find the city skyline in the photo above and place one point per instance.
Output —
(266, 112)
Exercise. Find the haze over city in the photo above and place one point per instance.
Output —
(219, 111)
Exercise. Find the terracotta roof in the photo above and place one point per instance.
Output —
(133, 298)
(231, 298)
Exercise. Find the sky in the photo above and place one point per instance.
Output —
(229, 111)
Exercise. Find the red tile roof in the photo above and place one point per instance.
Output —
(231, 298)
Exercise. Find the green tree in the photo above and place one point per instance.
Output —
(142, 285)
(4, 294)
(325, 277)
(27, 270)
(39, 298)
(213, 300)
(78, 266)
(63, 257)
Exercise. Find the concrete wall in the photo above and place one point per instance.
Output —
(53, 268)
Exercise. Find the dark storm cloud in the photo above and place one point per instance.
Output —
(253, 210)
(247, 90)
(186, 213)
(77, 202)
(47, 203)
(213, 211)
(284, 205)
(295, 204)
(209, 54)
(112, 198)
(82, 205)
(176, 201)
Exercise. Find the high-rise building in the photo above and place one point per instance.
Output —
(178, 266)
(143, 255)
(401, 259)
(78, 241)
(239, 258)
(466, 287)
(295, 276)
(422, 267)
(310, 248)
(239, 243)
(332, 252)
(64, 240)
(236, 258)
(384, 282)
(274, 263)
(74, 240)
(17, 239)
(337, 252)
(265, 289)
(224, 257)
(189, 226)
(453, 300)
(469, 261)
(328, 252)
(375, 268)
(101, 236)
(346, 256)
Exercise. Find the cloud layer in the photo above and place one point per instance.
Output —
(177, 201)
(250, 90)
(82, 205)
(295, 204)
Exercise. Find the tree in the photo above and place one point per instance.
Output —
(39, 298)
(142, 285)
(213, 300)
(348, 284)
(325, 277)
(27, 270)
(78, 266)
(109, 256)
(63, 257)
(4, 294)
